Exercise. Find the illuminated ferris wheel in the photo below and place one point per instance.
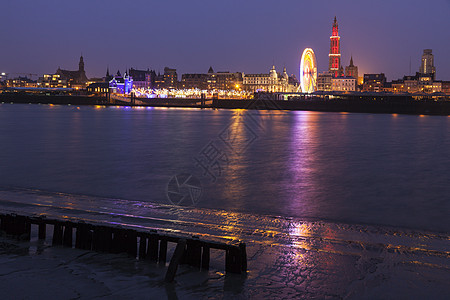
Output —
(308, 71)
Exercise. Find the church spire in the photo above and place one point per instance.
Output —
(81, 64)
(351, 61)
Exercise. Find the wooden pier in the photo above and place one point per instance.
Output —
(148, 245)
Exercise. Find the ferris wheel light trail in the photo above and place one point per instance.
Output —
(308, 71)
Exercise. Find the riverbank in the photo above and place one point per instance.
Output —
(362, 104)
(289, 258)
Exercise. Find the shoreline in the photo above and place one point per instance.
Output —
(366, 104)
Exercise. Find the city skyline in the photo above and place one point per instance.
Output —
(248, 37)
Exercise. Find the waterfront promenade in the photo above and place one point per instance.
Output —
(361, 103)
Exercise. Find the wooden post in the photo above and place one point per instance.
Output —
(131, 242)
(193, 252)
(42, 230)
(83, 237)
(175, 260)
(57, 234)
(162, 251)
(7, 224)
(243, 257)
(205, 257)
(97, 238)
(119, 241)
(106, 239)
(88, 241)
(152, 250)
(233, 260)
(142, 247)
(68, 235)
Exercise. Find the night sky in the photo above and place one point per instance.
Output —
(246, 36)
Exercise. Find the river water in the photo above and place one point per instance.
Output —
(301, 188)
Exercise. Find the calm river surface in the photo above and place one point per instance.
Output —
(330, 205)
(351, 168)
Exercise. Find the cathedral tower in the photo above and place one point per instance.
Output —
(334, 65)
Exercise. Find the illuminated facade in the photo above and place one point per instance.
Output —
(374, 82)
(334, 64)
(272, 82)
(427, 64)
(21, 82)
(343, 84)
(324, 81)
(52, 81)
(170, 78)
(121, 84)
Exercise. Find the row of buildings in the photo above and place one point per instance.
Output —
(336, 78)
(272, 81)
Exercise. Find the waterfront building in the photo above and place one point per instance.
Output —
(98, 87)
(52, 81)
(74, 78)
(351, 70)
(194, 81)
(419, 83)
(213, 80)
(121, 84)
(324, 81)
(343, 84)
(21, 82)
(334, 63)
(427, 64)
(142, 78)
(170, 78)
(227, 80)
(373, 82)
(446, 87)
(271, 82)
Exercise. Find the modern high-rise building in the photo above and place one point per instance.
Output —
(427, 65)
(334, 65)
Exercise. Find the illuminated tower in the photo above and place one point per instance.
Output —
(334, 65)
(427, 66)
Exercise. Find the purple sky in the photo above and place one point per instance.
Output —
(247, 35)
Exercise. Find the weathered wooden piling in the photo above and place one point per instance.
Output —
(152, 250)
(162, 251)
(57, 234)
(205, 257)
(42, 230)
(131, 242)
(243, 257)
(175, 260)
(83, 236)
(20, 226)
(142, 247)
(233, 260)
(118, 241)
(152, 246)
(193, 252)
(101, 239)
(68, 235)
(7, 224)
